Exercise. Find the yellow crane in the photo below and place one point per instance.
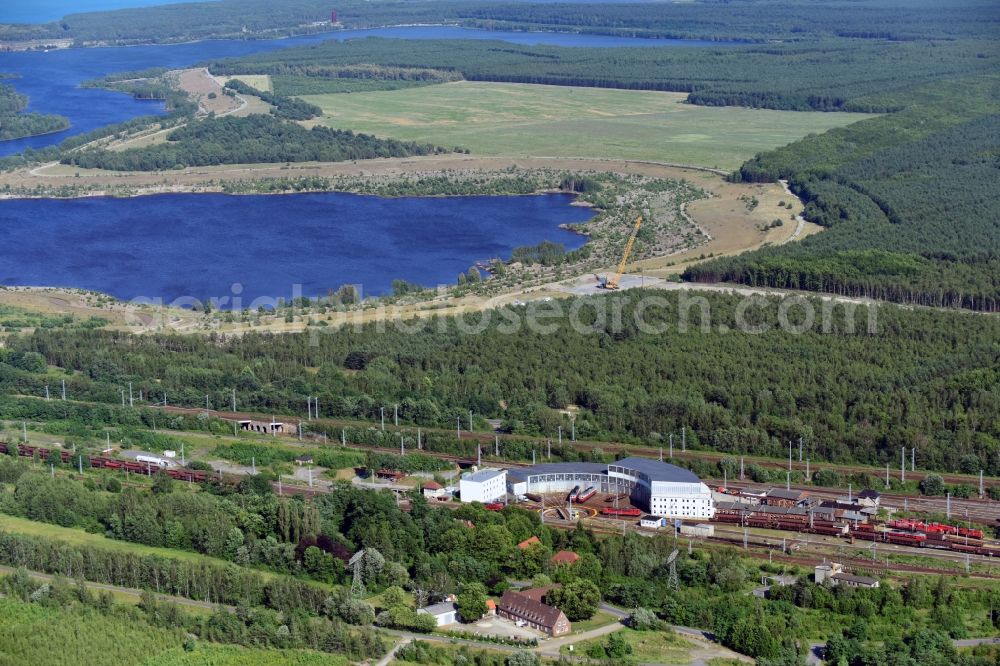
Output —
(605, 283)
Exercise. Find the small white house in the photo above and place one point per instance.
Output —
(486, 485)
(433, 490)
(652, 521)
(443, 613)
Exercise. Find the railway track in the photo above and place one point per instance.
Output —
(608, 447)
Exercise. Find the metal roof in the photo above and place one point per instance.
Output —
(558, 468)
(483, 475)
(440, 609)
(658, 471)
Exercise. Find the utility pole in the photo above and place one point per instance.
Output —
(234, 400)
(981, 484)
(418, 439)
(131, 403)
(913, 459)
(800, 449)
(395, 415)
(887, 476)
(671, 446)
(47, 398)
(572, 425)
(788, 481)
(532, 456)
(661, 454)
(789, 456)
(684, 438)
(808, 476)
(402, 445)
(79, 462)
(470, 421)
(560, 436)
(902, 469)
(343, 437)
(24, 431)
(64, 389)
(182, 454)
(479, 455)
(496, 445)
(300, 430)
(253, 465)
(382, 414)
(549, 443)
(948, 506)
(123, 397)
(741, 468)
(458, 427)
(309, 408)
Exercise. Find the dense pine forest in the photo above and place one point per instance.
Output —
(923, 378)
(250, 140)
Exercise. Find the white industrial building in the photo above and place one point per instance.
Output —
(485, 485)
(657, 487)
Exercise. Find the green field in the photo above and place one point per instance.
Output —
(561, 121)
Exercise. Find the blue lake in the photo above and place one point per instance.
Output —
(51, 80)
(174, 246)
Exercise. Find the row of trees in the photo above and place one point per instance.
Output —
(282, 106)
(253, 139)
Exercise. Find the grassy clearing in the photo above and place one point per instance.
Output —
(259, 81)
(647, 646)
(600, 619)
(561, 121)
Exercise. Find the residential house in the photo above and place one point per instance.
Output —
(521, 608)
(564, 557)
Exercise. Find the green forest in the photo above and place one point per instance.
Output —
(250, 140)
(750, 20)
(923, 378)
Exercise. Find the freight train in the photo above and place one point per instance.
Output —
(910, 525)
(621, 513)
(900, 532)
(133, 466)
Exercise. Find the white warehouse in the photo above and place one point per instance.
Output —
(485, 485)
(659, 488)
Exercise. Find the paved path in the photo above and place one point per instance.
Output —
(384, 661)
(550, 648)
